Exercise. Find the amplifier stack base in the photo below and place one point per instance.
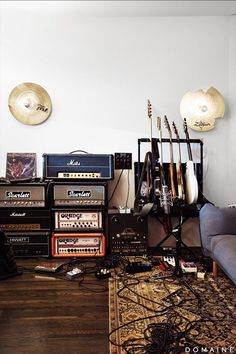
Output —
(63, 215)
(78, 245)
(29, 244)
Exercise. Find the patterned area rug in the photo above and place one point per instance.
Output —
(172, 315)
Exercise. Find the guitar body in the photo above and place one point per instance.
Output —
(172, 180)
(191, 184)
(180, 183)
(171, 167)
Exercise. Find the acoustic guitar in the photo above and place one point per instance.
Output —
(179, 172)
(191, 184)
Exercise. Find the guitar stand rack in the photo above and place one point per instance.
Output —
(199, 166)
(182, 211)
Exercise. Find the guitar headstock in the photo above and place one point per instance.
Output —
(167, 126)
(149, 108)
(186, 129)
(187, 139)
(185, 126)
(175, 130)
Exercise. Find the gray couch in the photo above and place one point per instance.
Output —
(218, 237)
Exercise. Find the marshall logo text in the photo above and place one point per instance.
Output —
(17, 214)
(73, 163)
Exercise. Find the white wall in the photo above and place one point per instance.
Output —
(99, 72)
(232, 111)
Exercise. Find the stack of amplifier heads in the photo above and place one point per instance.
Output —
(25, 218)
(78, 202)
(63, 215)
(78, 219)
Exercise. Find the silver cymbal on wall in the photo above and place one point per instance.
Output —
(30, 103)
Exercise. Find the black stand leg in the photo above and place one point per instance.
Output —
(178, 271)
(177, 235)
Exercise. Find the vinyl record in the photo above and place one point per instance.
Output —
(30, 103)
(201, 108)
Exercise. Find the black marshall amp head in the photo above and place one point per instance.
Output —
(78, 166)
(25, 219)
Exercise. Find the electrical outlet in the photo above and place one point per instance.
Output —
(123, 160)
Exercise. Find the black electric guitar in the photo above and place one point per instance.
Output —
(162, 172)
(179, 172)
(155, 172)
(165, 195)
(191, 184)
(171, 166)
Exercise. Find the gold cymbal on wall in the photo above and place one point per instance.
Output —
(201, 108)
(30, 103)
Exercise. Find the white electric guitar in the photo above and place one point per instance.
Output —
(191, 184)
(180, 182)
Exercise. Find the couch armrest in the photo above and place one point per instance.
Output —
(215, 221)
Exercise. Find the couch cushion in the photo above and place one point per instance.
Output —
(223, 248)
(215, 221)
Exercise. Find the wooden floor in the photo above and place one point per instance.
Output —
(42, 315)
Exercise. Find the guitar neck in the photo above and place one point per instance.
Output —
(149, 109)
(190, 156)
(162, 173)
(161, 148)
(172, 170)
(171, 152)
(179, 151)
